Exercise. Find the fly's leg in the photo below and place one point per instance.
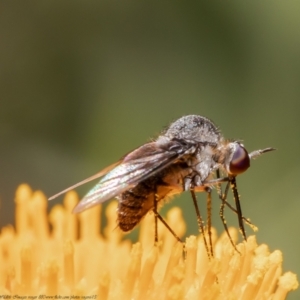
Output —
(158, 216)
(222, 216)
(208, 207)
(223, 198)
(216, 181)
(244, 218)
(219, 189)
(200, 225)
(155, 220)
(238, 207)
(168, 227)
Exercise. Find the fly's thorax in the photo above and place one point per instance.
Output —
(193, 128)
(204, 162)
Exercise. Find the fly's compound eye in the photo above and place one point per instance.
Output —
(240, 160)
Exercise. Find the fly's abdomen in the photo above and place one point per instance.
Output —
(133, 205)
(136, 202)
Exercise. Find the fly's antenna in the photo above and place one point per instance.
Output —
(255, 154)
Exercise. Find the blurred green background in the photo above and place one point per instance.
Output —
(84, 82)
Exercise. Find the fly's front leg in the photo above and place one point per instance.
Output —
(216, 181)
(223, 198)
(238, 207)
(222, 216)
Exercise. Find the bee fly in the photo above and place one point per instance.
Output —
(185, 157)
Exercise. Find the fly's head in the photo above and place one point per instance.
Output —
(237, 159)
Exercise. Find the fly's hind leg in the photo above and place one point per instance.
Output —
(155, 220)
(158, 216)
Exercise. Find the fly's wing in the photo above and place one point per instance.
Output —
(134, 168)
(98, 175)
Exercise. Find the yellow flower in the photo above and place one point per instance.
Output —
(74, 260)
